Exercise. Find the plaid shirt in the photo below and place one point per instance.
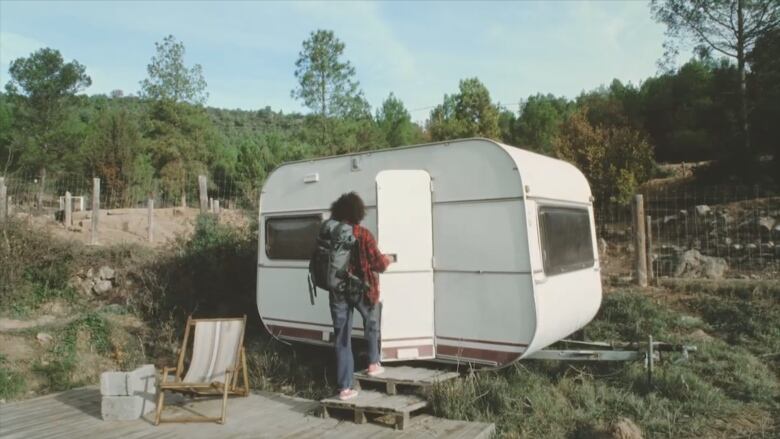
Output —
(370, 261)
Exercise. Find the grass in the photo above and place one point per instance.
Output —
(729, 388)
(90, 332)
(12, 383)
(724, 390)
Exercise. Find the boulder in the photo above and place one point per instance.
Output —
(106, 273)
(102, 286)
(44, 339)
(765, 224)
(693, 264)
(624, 428)
(703, 210)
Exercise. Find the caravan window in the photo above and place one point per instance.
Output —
(566, 239)
(291, 237)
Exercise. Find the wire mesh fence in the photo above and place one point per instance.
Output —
(731, 231)
(129, 211)
(717, 231)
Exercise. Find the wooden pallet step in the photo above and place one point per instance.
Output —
(398, 406)
(407, 376)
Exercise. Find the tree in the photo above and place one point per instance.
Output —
(112, 149)
(764, 84)
(327, 85)
(729, 27)
(169, 79)
(615, 160)
(42, 89)
(539, 122)
(479, 117)
(395, 123)
(469, 113)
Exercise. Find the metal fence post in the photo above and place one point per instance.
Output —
(204, 196)
(150, 229)
(640, 243)
(95, 210)
(68, 217)
(649, 228)
(3, 200)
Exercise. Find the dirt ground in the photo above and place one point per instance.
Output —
(119, 226)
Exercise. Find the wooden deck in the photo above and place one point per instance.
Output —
(76, 413)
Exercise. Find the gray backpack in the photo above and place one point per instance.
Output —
(329, 265)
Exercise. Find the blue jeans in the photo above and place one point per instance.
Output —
(341, 312)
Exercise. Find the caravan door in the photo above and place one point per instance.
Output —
(405, 230)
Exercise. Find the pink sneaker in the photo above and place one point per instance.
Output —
(375, 369)
(347, 394)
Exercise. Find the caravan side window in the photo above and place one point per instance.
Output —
(291, 237)
(566, 239)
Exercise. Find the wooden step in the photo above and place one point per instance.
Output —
(407, 376)
(399, 407)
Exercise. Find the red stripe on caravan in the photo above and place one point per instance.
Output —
(422, 351)
(466, 354)
(470, 340)
(282, 331)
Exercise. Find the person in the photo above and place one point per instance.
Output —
(366, 261)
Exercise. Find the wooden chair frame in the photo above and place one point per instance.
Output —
(229, 387)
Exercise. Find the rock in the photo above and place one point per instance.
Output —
(102, 286)
(603, 246)
(56, 308)
(683, 213)
(699, 335)
(703, 210)
(689, 321)
(624, 428)
(669, 219)
(693, 264)
(89, 274)
(751, 247)
(765, 224)
(82, 285)
(106, 273)
(44, 338)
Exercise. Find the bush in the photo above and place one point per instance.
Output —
(34, 268)
(616, 160)
(210, 274)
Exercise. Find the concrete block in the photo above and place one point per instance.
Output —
(142, 382)
(113, 384)
(124, 408)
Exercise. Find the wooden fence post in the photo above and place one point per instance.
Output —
(3, 200)
(68, 217)
(640, 243)
(95, 210)
(649, 227)
(211, 204)
(150, 229)
(204, 196)
(215, 206)
(183, 200)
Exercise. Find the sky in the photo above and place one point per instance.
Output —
(417, 50)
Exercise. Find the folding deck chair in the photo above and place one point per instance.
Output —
(217, 362)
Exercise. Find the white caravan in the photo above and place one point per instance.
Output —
(495, 247)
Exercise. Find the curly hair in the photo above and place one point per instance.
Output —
(349, 208)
